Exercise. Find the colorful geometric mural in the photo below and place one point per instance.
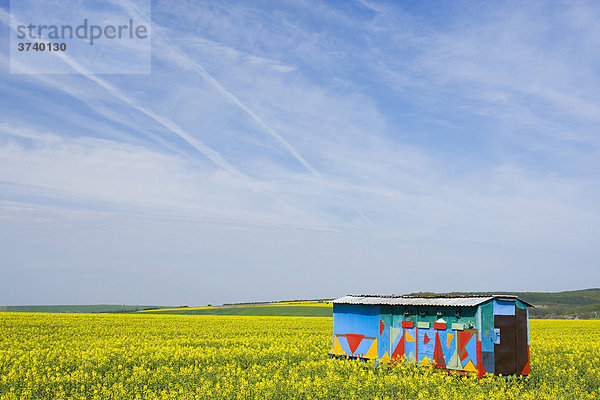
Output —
(356, 345)
(490, 337)
(425, 346)
(398, 345)
(450, 345)
(467, 350)
(410, 344)
(383, 343)
(438, 352)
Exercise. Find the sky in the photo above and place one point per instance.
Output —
(309, 149)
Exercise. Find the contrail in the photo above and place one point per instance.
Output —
(171, 52)
(210, 153)
(185, 61)
(206, 150)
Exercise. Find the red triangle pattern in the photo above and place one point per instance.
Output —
(527, 369)
(480, 367)
(438, 353)
(399, 350)
(426, 338)
(465, 336)
(381, 327)
(354, 341)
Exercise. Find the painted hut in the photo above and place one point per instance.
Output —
(475, 334)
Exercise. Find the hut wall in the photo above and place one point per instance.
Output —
(386, 321)
(491, 337)
(486, 334)
(511, 337)
(355, 330)
(415, 334)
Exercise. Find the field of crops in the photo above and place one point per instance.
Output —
(308, 308)
(108, 356)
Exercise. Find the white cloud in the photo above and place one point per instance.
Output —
(467, 149)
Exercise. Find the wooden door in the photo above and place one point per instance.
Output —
(504, 352)
(521, 345)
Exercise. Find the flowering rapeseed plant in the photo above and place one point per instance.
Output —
(107, 356)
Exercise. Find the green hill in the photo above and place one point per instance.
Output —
(86, 308)
(584, 304)
(288, 311)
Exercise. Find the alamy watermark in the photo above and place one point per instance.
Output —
(80, 36)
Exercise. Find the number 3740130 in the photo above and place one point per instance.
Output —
(40, 46)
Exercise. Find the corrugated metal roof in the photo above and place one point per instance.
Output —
(463, 301)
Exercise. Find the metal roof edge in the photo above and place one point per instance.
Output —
(512, 296)
(483, 298)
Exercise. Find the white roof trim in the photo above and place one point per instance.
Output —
(470, 301)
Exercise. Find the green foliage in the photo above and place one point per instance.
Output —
(87, 308)
(292, 311)
(583, 304)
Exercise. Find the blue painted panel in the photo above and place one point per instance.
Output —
(383, 343)
(448, 346)
(471, 349)
(395, 338)
(410, 346)
(364, 347)
(426, 349)
(486, 329)
(488, 361)
(356, 318)
(503, 307)
(344, 344)
(487, 341)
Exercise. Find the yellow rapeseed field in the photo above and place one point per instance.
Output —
(143, 356)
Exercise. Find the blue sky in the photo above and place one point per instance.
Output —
(302, 149)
